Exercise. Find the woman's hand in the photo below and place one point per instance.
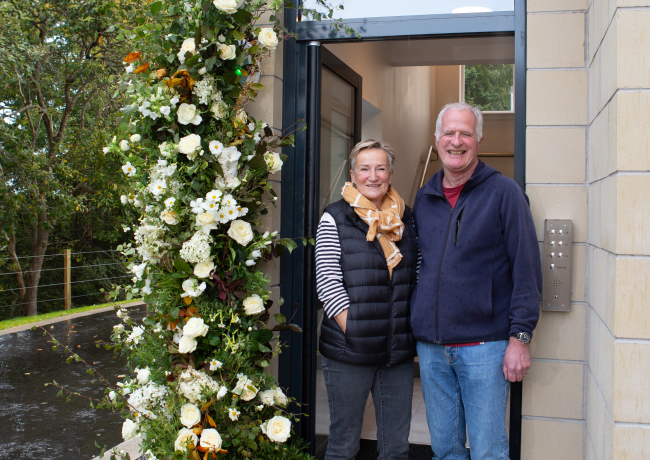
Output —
(342, 319)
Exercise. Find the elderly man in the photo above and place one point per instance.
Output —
(477, 299)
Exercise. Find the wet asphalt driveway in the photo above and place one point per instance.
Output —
(34, 422)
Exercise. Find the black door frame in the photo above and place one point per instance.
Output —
(297, 364)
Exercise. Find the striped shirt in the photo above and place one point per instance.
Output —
(329, 276)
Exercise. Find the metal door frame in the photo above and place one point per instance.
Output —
(297, 364)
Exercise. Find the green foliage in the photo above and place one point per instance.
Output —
(489, 86)
(58, 62)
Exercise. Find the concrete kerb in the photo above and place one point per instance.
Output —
(45, 322)
(131, 447)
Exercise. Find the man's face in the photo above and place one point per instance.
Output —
(458, 143)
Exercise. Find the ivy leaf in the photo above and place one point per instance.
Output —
(237, 35)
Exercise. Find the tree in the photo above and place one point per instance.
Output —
(58, 62)
(489, 86)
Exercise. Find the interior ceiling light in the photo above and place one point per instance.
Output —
(471, 9)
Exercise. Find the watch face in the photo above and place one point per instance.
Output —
(523, 337)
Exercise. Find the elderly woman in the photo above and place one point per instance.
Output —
(366, 257)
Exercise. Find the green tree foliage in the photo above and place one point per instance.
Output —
(58, 62)
(489, 86)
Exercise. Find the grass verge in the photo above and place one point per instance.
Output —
(8, 323)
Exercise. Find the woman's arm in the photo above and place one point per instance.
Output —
(329, 276)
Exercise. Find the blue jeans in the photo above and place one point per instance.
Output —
(465, 386)
(348, 387)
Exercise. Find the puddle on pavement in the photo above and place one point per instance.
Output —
(36, 424)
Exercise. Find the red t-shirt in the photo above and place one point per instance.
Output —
(452, 195)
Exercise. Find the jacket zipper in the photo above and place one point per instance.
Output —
(458, 219)
(390, 321)
(444, 249)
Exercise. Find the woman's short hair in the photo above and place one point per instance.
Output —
(372, 144)
(461, 106)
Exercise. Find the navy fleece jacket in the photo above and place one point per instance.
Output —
(480, 278)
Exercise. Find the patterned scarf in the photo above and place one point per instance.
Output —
(384, 223)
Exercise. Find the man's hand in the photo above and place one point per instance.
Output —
(517, 360)
(342, 319)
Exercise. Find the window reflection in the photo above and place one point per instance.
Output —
(384, 8)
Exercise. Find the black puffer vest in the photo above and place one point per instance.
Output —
(378, 329)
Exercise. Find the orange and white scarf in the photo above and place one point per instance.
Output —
(384, 223)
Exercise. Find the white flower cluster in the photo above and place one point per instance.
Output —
(151, 244)
(197, 385)
(157, 104)
(272, 397)
(147, 397)
(161, 182)
(228, 158)
(197, 249)
(204, 90)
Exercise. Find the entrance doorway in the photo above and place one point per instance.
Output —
(393, 91)
(427, 45)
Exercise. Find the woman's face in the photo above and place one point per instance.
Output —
(372, 174)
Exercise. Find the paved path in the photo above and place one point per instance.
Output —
(36, 423)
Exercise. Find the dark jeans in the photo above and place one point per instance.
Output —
(348, 387)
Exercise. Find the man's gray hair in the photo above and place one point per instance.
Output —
(372, 144)
(461, 106)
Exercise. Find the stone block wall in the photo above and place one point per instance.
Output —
(553, 423)
(618, 318)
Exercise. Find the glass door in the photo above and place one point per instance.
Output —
(340, 112)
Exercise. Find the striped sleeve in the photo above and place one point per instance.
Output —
(329, 276)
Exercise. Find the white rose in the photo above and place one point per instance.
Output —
(227, 52)
(241, 116)
(190, 415)
(185, 438)
(266, 397)
(241, 232)
(268, 38)
(210, 439)
(188, 45)
(136, 138)
(280, 397)
(218, 110)
(124, 145)
(187, 114)
(203, 269)
(207, 222)
(273, 161)
(169, 217)
(253, 305)
(129, 429)
(186, 344)
(278, 429)
(194, 328)
(227, 6)
(189, 144)
(143, 375)
(245, 389)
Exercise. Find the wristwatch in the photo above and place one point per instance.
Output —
(523, 337)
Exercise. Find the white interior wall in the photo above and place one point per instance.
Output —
(409, 99)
